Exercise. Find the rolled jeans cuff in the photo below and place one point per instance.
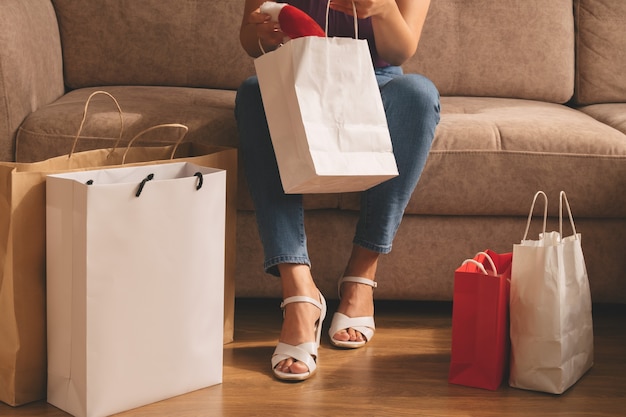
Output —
(271, 265)
(373, 247)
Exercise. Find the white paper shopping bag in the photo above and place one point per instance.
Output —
(325, 115)
(550, 309)
(135, 280)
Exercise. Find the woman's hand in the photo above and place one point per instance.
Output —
(397, 24)
(257, 28)
(267, 31)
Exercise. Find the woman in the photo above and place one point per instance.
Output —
(392, 28)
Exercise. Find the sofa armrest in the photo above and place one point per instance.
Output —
(31, 65)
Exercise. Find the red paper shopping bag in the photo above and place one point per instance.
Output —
(480, 313)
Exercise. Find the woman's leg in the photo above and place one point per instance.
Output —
(412, 107)
(280, 221)
(280, 217)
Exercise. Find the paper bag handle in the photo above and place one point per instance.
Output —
(184, 128)
(356, 22)
(532, 208)
(563, 197)
(481, 266)
(150, 177)
(82, 122)
(478, 264)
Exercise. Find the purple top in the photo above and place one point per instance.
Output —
(339, 24)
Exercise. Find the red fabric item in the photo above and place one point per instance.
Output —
(480, 323)
(296, 24)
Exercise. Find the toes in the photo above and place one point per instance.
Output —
(349, 335)
(298, 367)
(342, 335)
(354, 335)
(283, 366)
(291, 366)
(357, 336)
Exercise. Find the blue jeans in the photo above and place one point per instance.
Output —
(411, 104)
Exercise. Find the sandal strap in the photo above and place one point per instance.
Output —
(304, 352)
(301, 299)
(359, 280)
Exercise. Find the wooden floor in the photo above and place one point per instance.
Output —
(403, 372)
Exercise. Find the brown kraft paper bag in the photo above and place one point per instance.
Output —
(23, 363)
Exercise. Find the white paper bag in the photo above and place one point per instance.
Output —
(325, 115)
(551, 320)
(135, 279)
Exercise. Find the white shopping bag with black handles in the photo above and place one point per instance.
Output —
(135, 279)
(550, 309)
(325, 115)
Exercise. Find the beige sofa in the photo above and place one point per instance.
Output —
(533, 98)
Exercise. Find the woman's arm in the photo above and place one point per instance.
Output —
(397, 24)
(255, 27)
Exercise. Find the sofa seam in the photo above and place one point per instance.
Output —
(5, 103)
(576, 10)
(526, 153)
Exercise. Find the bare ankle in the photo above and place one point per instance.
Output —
(296, 279)
(362, 263)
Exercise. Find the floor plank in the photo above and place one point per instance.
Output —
(403, 372)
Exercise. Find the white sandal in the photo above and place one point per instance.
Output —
(364, 325)
(304, 352)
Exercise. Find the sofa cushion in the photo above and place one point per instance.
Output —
(427, 250)
(494, 48)
(491, 155)
(50, 131)
(600, 51)
(152, 42)
(613, 114)
(31, 72)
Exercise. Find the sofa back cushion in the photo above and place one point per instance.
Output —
(187, 43)
(601, 51)
(31, 72)
(499, 48)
